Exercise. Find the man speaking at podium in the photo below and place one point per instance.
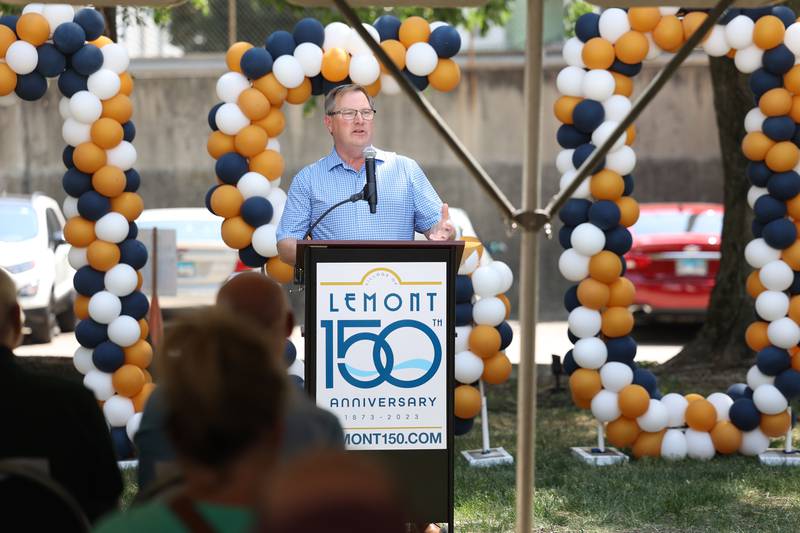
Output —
(406, 201)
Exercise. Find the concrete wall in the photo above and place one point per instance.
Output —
(677, 145)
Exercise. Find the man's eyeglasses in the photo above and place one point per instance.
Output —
(350, 114)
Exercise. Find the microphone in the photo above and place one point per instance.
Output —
(371, 189)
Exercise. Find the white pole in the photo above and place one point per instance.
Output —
(484, 418)
(788, 445)
(601, 444)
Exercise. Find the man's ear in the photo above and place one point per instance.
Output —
(328, 124)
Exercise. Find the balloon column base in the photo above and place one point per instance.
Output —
(595, 457)
(780, 457)
(490, 457)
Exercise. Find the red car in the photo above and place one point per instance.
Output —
(675, 258)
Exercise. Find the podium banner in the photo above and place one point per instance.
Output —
(381, 347)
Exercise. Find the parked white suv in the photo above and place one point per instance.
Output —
(33, 250)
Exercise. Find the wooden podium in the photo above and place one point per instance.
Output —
(379, 350)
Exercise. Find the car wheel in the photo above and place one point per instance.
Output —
(66, 319)
(42, 332)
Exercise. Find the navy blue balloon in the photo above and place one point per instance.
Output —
(92, 205)
(756, 228)
(587, 26)
(9, 21)
(132, 180)
(729, 15)
(621, 349)
(230, 167)
(280, 43)
(128, 131)
(463, 314)
(780, 234)
(778, 60)
(445, 40)
(784, 185)
(771, 361)
(91, 334)
(290, 353)
(212, 116)
(388, 27)
(328, 86)
(317, 85)
(208, 196)
(133, 253)
(75, 182)
(108, 357)
(571, 299)
(779, 128)
(251, 258)
(255, 63)
(462, 426)
(69, 37)
(762, 81)
(759, 173)
(92, 23)
(66, 156)
(565, 236)
(309, 30)
(123, 448)
(506, 335)
(87, 60)
(736, 391)
(31, 86)
(786, 15)
(572, 337)
(646, 379)
(756, 12)
(767, 209)
(575, 211)
(795, 287)
(623, 266)
(51, 62)
(582, 153)
(788, 382)
(135, 304)
(626, 69)
(568, 136)
(464, 290)
(744, 414)
(604, 214)
(71, 82)
(420, 82)
(588, 115)
(257, 211)
(88, 281)
(568, 363)
(628, 179)
(298, 382)
(133, 231)
(619, 240)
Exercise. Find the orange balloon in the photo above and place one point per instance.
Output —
(253, 104)
(107, 133)
(128, 380)
(102, 255)
(8, 78)
(564, 106)
(793, 207)
(79, 232)
(81, 307)
(109, 181)
(125, 84)
(622, 293)
(768, 32)
(693, 397)
(775, 102)
(616, 322)
(88, 157)
(597, 53)
(128, 204)
(644, 19)
(300, 94)
(497, 369)
(585, 383)
(632, 47)
(791, 80)
(633, 401)
(140, 353)
(34, 28)
(335, 64)
(691, 22)
(796, 361)
(775, 425)
(250, 141)
(268, 163)
(101, 41)
(622, 432)
(143, 325)
(484, 341)
(271, 88)
(226, 201)
(794, 112)
(701, 415)
(279, 271)
(467, 401)
(607, 185)
(726, 437)
(220, 144)
(623, 85)
(237, 233)
(374, 89)
(754, 285)
(794, 308)
(783, 156)
(147, 377)
(629, 211)
(139, 280)
(446, 76)
(273, 123)
(581, 403)
(755, 146)
(756, 336)
(7, 38)
(396, 52)
(593, 294)
(630, 135)
(648, 444)
(605, 267)
(140, 400)
(413, 30)
(668, 33)
(119, 108)
(233, 57)
(503, 298)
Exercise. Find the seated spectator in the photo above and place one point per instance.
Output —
(250, 297)
(224, 394)
(53, 420)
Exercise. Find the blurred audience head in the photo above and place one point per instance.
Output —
(10, 313)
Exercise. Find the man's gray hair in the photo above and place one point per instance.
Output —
(333, 94)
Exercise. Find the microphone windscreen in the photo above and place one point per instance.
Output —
(370, 152)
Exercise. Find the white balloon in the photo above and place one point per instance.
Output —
(123, 156)
(254, 184)
(468, 367)
(230, 85)
(100, 384)
(9, 99)
(699, 445)
(755, 378)
(615, 376)
(57, 14)
(112, 227)
(753, 442)
(70, 207)
(754, 193)
(75, 133)
(121, 280)
(587, 239)
(754, 120)
(132, 426)
(85, 107)
(673, 445)
(230, 119)
(590, 352)
(653, 50)
(598, 85)
(489, 312)
(462, 338)
(783, 333)
(288, 71)
(583, 190)
(621, 161)
(776, 276)
(769, 399)
(655, 418)
(739, 32)
(572, 265)
(77, 257)
(22, 57)
(104, 307)
(605, 406)
(309, 55)
(83, 360)
(722, 403)
(617, 107)
(118, 410)
(792, 38)
(364, 69)
(564, 161)
(421, 59)
(115, 57)
(584, 322)
(772, 305)
(104, 84)
(604, 131)
(666, 11)
(278, 200)
(33, 8)
(716, 44)
(389, 85)
(676, 406)
(274, 144)
(336, 35)
(506, 275)
(469, 264)
(569, 81)
(758, 253)
(613, 24)
(63, 108)
(573, 52)
(748, 60)
(486, 282)
(265, 241)
(355, 45)
(124, 330)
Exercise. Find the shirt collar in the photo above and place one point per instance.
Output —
(332, 160)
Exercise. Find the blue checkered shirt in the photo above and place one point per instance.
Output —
(406, 201)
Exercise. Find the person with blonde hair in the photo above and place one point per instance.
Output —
(224, 393)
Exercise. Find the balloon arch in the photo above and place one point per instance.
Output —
(596, 84)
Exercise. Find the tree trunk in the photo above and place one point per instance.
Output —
(720, 342)
(110, 14)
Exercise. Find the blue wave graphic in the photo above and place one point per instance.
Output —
(420, 364)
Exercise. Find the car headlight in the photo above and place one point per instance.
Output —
(21, 267)
(29, 290)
